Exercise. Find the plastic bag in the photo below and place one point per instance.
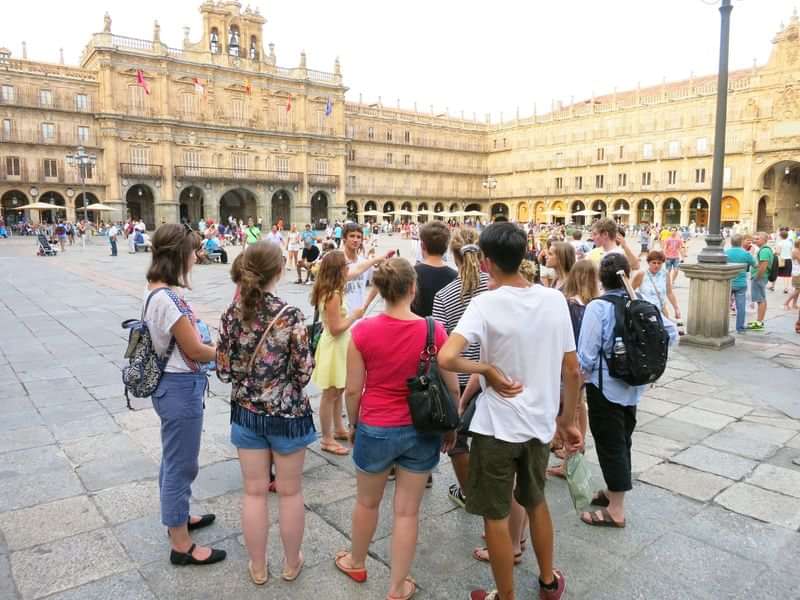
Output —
(579, 481)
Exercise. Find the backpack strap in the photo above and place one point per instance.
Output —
(172, 341)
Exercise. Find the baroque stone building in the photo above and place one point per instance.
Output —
(216, 128)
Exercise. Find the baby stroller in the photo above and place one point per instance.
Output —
(45, 249)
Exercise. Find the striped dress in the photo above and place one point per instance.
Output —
(448, 306)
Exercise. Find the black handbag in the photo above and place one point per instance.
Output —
(314, 332)
(432, 408)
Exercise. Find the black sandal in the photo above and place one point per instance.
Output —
(186, 558)
(204, 521)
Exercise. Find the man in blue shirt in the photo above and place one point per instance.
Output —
(211, 246)
(612, 411)
(738, 255)
(337, 234)
(307, 235)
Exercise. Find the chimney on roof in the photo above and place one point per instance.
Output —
(24, 50)
(303, 59)
(337, 67)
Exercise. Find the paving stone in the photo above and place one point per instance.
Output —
(48, 522)
(217, 479)
(83, 428)
(679, 431)
(44, 401)
(698, 389)
(706, 378)
(730, 441)
(723, 407)
(52, 386)
(106, 391)
(762, 504)
(786, 457)
(777, 479)
(794, 442)
(35, 475)
(133, 420)
(70, 562)
(107, 460)
(704, 418)
(128, 501)
(688, 482)
(8, 591)
(758, 431)
(658, 407)
(714, 461)
(635, 582)
(670, 395)
(782, 422)
(327, 484)
(641, 462)
(125, 586)
(28, 437)
(643, 417)
(60, 414)
(43, 373)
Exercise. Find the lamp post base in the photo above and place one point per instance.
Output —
(709, 304)
(714, 251)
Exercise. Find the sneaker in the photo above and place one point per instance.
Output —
(484, 595)
(456, 494)
(545, 594)
(755, 325)
(392, 474)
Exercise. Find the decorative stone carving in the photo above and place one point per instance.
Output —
(107, 23)
(787, 103)
(156, 32)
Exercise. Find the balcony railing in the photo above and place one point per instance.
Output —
(323, 180)
(414, 192)
(417, 165)
(143, 171)
(58, 138)
(58, 100)
(445, 144)
(36, 174)
(225, 174)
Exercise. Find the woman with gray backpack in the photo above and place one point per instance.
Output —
(178, 399)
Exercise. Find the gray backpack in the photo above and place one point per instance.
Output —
(145, 368)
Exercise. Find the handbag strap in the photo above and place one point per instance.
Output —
(263, 338)
(655, 287)
(429, 351)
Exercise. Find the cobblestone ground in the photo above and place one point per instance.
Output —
(714, 512)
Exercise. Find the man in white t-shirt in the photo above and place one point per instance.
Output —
(358, 266)
(113, 232)
(517, 409)
(608, 237)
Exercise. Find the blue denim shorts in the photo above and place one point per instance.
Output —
(758, 290)
(376, 449)
(245, 439)
(673, 263)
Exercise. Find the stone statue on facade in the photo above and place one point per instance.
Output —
(107, 23)
(156, 32)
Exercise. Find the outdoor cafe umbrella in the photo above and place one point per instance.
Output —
(402, 213)
(99, 206)
(556, 213)
(40, 206)
(585, 213)
(370, 213)
(475, 213)
(621, 211)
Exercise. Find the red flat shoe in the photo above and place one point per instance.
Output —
(357, 575)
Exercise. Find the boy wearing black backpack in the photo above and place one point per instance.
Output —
(602, 351)
(765, 272)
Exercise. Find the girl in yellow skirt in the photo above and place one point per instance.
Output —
(331, 355)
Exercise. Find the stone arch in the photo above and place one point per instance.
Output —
(406, 206)
(281, 208)
(93, 216)
(730, 211)
(601, 207)
(388, 211)
(671, 212)
(575, 207)
(438, 208)
(320, 207)
(645, 211)
(498, 209)
(420, 207)
(239, 203)
(558, 212)
(538, 213)
(9, 202)
(352, 210)
(370, 205)
(764, 221)
(52, 197)
(140, 204)
(782, 181)
(698, 211)
(190, 205)
(621, 205)
(522, 212)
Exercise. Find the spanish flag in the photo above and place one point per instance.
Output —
(289, 103)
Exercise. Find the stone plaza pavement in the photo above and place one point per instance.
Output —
(714, 513)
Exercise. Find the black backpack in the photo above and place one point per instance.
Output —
(640, 327)
(776, 265)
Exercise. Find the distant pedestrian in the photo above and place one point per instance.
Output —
(113, 232)
(760, 278)
(738, 255)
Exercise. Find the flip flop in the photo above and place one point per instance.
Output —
(523, 542)
(357, 575)
(606, 520)
(288, 575)
(334, 448)
(408, 596)
(342, 436)
(257, 579)
(476, 554)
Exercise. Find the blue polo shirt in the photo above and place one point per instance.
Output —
(741, 256)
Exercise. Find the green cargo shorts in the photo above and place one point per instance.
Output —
(494, 465)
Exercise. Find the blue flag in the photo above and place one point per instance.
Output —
(328, 107)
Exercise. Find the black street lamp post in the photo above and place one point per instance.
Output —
(713, 251)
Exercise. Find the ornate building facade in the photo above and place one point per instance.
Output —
(216, 128)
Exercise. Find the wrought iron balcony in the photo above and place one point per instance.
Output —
(143, 171)
(193, 173)
(323, 180)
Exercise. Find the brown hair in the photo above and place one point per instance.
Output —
(236, 268)
(565, 256)
(330, 279)
(606, 226)
(434, 237)
(394, 279)
(660, 256)
(582, 281)
(469, 262)
(260, 264)
(172, 246)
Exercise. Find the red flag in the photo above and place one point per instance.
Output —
(289, 104)
(140, 81)
(248, 89)
(199, 88)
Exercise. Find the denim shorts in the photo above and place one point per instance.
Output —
(758, 290)
(673, 263)
(376, 449)
(245, 439)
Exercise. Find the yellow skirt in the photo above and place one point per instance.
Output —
(331, 361)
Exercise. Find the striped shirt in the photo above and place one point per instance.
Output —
(448, 306)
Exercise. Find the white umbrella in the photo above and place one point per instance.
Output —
(370, 213)
(97, 206)
(475, 213)
(40, 206)
(402, 213)
(585, 213)
(555, 213)
(621, 211)
(425, 211)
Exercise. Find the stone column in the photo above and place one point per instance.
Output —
(709, 304)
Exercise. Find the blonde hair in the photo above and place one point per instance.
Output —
(582, 281)
(528, 269)
(394, 279)
(469, 263)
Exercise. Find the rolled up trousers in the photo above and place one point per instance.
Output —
(612, 426)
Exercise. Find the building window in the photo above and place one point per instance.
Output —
(388, 158)
(351, 154)
(621, 152)
(8, 94)
(579, 183)
(504, 143)
(282, 165)
(622, 180)
(495, 144)
(601, 154)
(87, 170)
(321, 167)
(136, 98)
(646, 178)
(351, 181)
(12, 166)
(8, 127)
(140, 155)
(371, 133)
(699, 175)
(672, 177)
(320, 119)
(702, 145)
(559, 183)
(81, 102)
(253, 52)
(674, 148)
(233, 41)
(214, 41)
(189, 105)
(407, 137)
(191, 160)
(407, 159)
(45, 98)
(388, 135)
(83, 135)
(351, 131)
(237, 109)
(599, 181)
(50, 167)
(48, 131)
(726, 176)
(239, 162)
(647, 151)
